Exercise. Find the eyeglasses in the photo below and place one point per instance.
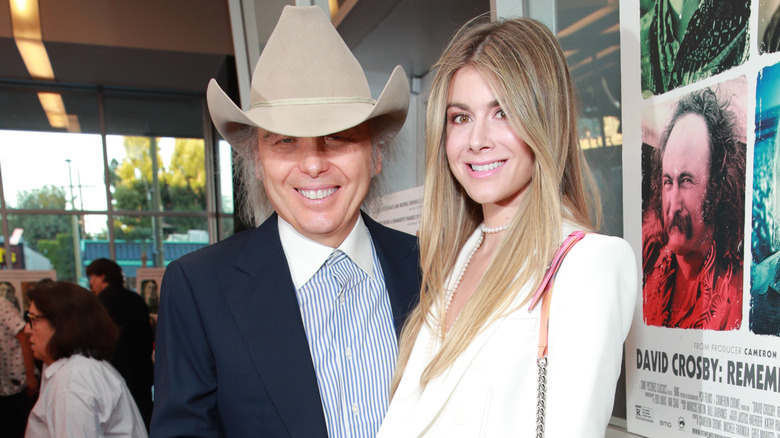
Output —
(32, 318)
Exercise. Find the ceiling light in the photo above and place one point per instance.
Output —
(35, 58)
(25, 19)
(587, 21)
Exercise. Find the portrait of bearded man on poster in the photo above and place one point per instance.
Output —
(693, 209)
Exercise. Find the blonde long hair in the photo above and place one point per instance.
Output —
(527, 72)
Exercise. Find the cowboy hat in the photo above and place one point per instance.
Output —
(307, 83)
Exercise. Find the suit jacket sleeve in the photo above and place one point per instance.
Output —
(185, 380)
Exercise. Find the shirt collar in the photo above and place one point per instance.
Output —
(49, 370)
(305, 256)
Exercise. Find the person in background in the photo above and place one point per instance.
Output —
(290, 329)
(82, 395)
(133, 354)
(506, 182)
(18, 382)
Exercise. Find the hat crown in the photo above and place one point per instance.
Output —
(305, 59)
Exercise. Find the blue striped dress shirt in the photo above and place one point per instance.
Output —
(349, 326)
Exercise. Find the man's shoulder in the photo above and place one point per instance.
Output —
(232, 247)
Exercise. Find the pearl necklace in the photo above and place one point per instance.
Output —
(439, 328)
(488, 230)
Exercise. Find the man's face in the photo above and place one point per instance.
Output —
(97, 283)
(685, 175)
(317, 184)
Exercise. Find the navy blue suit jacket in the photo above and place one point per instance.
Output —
(232, 358)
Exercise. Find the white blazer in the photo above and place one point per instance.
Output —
(490, 390)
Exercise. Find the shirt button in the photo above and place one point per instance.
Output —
(348, 353)
(342, 299)
(355, 408)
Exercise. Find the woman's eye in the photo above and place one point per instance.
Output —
(459, 118)
(501, 114)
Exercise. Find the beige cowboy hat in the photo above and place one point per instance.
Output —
(307, 83)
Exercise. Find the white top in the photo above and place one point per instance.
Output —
(13, 377)
(490, 390)
(84, 397)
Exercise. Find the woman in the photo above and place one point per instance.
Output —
(506, 183)
(81, 393)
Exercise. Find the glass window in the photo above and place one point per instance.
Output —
(155, 241)
(52, 170)
(590, 37)
(60, 194)
(157, 173)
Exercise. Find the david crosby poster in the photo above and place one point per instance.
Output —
(702, 198)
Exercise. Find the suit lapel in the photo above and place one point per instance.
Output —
(262, 298)
(398, 261)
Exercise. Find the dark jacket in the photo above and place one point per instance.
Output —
(232, 358)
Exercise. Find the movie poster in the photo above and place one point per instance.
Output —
(148, 282)
(700, 127)
(14, 285)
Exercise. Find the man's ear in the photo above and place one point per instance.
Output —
(377, 162)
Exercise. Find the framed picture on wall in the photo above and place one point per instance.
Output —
(148, 282)
(14, 285)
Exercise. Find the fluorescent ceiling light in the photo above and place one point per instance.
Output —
(25, 19)
(587, 21)
(35, 58)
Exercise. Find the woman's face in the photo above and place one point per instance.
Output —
(485, 154)
(149, 288)
(40, 331)
(5, 290)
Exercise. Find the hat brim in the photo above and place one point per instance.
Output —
(311, 120)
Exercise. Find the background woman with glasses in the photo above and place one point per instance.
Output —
(81, 393)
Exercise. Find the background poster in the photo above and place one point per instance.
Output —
(147, 284)
(15, 283)
(400, 210)
(714, 381)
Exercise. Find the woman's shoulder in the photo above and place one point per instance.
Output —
(83, 371)
(595, 248)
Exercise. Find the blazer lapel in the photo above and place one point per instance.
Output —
(262, 299)
(398, 260)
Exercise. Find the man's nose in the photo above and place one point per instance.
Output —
(675, 200)
(313, 161)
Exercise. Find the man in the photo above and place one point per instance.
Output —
(685, 41)
(133, 354)
(693, 237)
(290, 329)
